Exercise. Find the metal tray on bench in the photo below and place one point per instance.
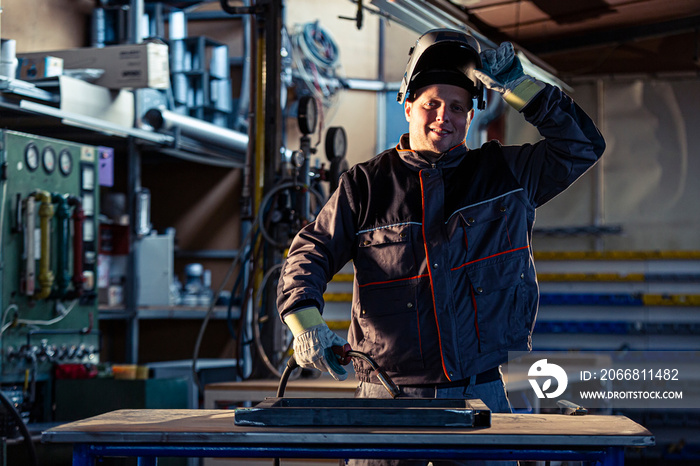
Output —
(399, 412)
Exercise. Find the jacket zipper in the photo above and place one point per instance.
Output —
(430, 277)
(471, 291)
(476, 319)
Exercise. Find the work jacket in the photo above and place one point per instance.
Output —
(445, 282)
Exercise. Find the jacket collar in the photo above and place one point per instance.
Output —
(413, 159)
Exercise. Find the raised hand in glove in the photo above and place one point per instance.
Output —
(502, 72)
(313, 342)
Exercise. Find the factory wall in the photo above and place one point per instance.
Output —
(644, 188)
(39, 25)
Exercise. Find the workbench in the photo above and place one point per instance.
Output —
(149, 434)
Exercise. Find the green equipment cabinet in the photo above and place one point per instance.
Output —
(48, 258)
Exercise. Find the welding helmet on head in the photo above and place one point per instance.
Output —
(443, 56)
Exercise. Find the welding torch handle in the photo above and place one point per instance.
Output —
(383, 377)
(346, 353)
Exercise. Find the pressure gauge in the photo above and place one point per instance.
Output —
(306, 115)
(31, 156)
(65, 162)
(48, 159)
(336, 142)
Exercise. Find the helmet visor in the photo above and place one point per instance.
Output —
(442, 56)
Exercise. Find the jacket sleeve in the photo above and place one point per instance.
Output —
(571, 145)
(317, 252)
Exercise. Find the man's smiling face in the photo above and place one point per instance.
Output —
(438, 118)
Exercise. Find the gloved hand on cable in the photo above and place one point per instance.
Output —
(313, 342)
(502, 72)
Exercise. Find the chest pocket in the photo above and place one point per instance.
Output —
(487, 230)
(385, 254)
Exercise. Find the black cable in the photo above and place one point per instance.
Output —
(210, 311)
(239, 345)
(240, 10)
(236, 285)
(292, 185)
(22, 427)
(256, 324)
(243, 338)
(291, 365)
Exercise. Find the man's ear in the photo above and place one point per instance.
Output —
(470, 115)
(407, 110)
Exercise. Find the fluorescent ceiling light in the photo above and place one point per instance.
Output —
(421, 16)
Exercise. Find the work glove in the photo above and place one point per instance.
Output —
(502, 72)
(313, 342)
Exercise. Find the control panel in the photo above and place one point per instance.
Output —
(48, 247)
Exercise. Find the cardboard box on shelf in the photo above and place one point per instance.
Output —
(42, 67)
(125, 66)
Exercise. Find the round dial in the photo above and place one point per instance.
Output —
(31, 156)
(336, 142)
(65, 162)
(48, 158)
(307, 114)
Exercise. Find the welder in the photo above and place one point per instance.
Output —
(440, 235)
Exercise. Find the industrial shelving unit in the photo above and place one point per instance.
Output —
(200, 79)
(33, 110)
